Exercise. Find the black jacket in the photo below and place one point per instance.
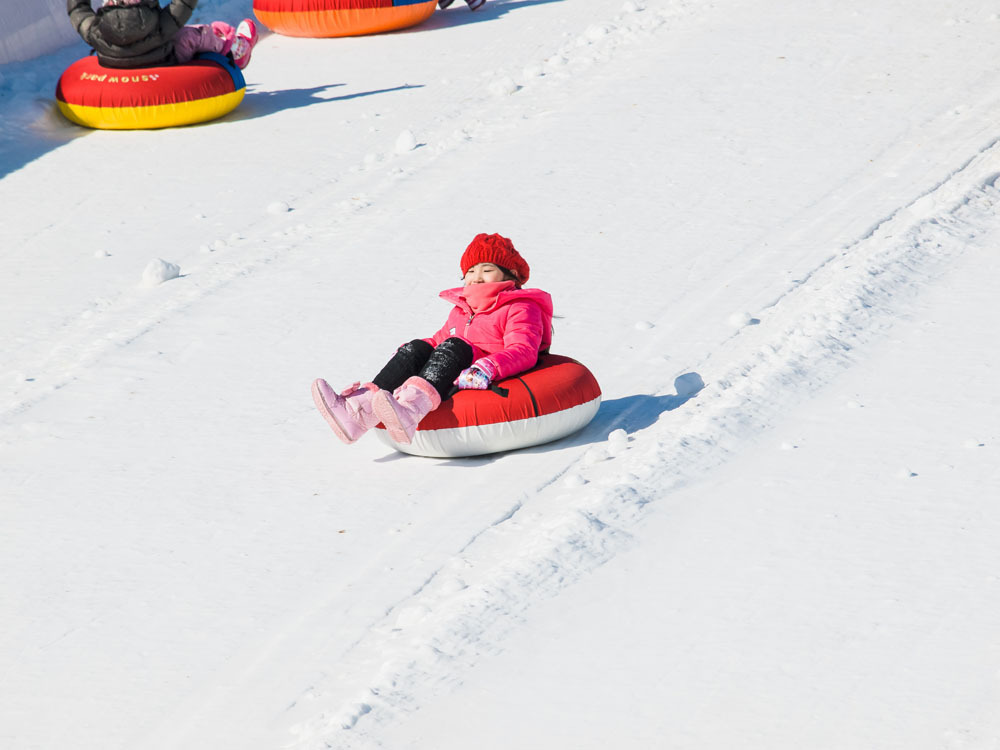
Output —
(131, 36)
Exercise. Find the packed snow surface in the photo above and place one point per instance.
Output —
(29, 28)
(769, 229)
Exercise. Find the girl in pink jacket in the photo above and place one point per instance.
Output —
(496, 329)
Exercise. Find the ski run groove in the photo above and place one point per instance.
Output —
(555, 534)
(583, 517)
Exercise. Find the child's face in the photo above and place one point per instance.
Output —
(482, 273)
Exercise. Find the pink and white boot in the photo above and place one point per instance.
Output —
(349, 412)
(402, 410)
(243, 44)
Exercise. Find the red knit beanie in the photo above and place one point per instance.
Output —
(498, 250)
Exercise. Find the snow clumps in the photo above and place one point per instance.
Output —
(504, 86)
(595, 32)
(277, 208)
(617, 443)
(158, 270)
(688, 384)
(406, 142)
(741, 319)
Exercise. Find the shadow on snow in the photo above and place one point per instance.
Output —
(629, 413)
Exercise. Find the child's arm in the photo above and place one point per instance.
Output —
(82, 16)
(181, 10)
(522, 338)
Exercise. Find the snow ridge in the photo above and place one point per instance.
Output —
(572, 526)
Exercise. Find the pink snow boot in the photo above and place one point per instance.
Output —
(402, 410)
(350, 412)
(246, 39)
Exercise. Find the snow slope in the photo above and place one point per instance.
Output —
(31, 28)
(833, 585)
(738, 209)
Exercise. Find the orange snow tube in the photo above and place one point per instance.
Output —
(326, 18)
(550, 401)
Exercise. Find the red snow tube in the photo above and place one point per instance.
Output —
(159, 97)
(554, 399)
(326, 18)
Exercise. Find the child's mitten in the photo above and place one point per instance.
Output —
(477, 377)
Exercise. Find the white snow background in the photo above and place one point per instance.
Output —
(770, 229)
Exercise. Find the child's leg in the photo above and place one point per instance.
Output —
(446, 363)
(349, 413)
(243, 44)
(224, 32)
(214, 37)
(405, 363)
(402, 410)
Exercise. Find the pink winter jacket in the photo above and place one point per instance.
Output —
(510, 331)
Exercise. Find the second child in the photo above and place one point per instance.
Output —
(141, 34)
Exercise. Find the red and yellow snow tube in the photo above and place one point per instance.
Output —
(208, 87)
(326, 18)
(554, 399)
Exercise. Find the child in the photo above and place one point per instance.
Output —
(496, 329)
(140, 34)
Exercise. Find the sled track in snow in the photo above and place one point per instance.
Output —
(583, 518)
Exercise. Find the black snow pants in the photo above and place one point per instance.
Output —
(438, 365)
